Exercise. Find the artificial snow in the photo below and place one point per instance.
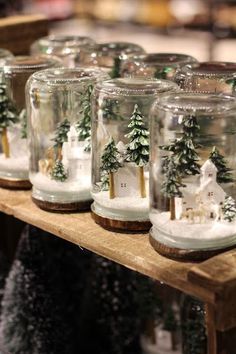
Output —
(183, 233)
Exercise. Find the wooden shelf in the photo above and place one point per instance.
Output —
(213, 281)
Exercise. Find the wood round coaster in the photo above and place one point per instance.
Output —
(121, 226)
(183, 254)
(15, 184)
(62, 207)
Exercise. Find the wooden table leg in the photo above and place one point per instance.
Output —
(219, 342)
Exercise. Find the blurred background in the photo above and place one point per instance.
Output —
(205, 29)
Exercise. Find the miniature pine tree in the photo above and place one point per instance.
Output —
(224, 174)
(110, 110)
(162, 73)
(138, 148)
(8, 117)
(84, 125)
(61, 136)
(184, 148)
(23, 120)
(58, 172)
(105, 182)
(171, 184)
(115, 73)
(110, 164)
(229, 209)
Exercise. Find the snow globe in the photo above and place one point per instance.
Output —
(14, 164)
(192, 175)
(59, 112)
(208, 77)
(67, 48)
(110, 56)
(156, 65)
(120, 151)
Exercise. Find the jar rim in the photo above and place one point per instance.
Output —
(30, 62)
(164, 58)
(211, 68)
(202, 103)
(118, 48)
(135, 86)
(61, 75)
(65, 40)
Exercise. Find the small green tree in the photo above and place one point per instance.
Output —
(162, 73)
(58, 172)
(115, 72)
(84, 125)
(229, 209)
(23, 120)
(61, 136)
(110, 164)
(8, 117)
(105, 182)
(184, 148)
(224, 174)
(110, 110)
(171, 184)
(138, 147)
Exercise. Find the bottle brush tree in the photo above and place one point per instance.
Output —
(61, 136)
(229, 209)
(23, 120)
(8, 117)
(172, 184)
(110, 164)
(58, 172)
(138, 147)
(224, 174)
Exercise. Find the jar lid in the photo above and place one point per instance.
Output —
(135, 86)
(173, 59)
(28, 63)
(61, 76)
(199, 103)
(65, 40)
(4, 53)
(211, 68)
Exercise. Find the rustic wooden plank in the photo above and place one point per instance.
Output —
(19, 32)
(131, 250)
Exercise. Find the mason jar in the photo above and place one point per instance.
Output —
(13, 126)
(110, 56)
(192, 174)
(59, 114)
(208, 77)
(156, 65)
(66, 47)
(120, 154)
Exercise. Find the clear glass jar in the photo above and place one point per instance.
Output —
(13, 126)
(156, 65)
(4, 55)
(110, 56)
(65, 47)
(208, 77)
(59, 112)
(121, 151)
(192, 174)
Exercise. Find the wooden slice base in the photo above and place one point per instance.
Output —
(15, 184)
(185, 255)
(121, 226)
(62, 207)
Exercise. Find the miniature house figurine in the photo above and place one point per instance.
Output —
(126, 181)
(75, 159)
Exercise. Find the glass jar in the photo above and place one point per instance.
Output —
(192, 176)
(156, 65)
(59, 112)
(65, 47)
(208, 77)
(13, 126)
(4, 55)
(121, 151)
(110, 56)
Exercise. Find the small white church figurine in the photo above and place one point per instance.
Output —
(75, 159)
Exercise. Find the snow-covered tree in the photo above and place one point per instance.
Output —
(115, 72)
(184, 149)
(58, 172)
(23, 121)
(84, 125)
(229, 209)
(171, 184)
(61, 136)
(110, 164)
(110, 109)
(138, 147)
(8, 117)
(105, 181)
(224, 174)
